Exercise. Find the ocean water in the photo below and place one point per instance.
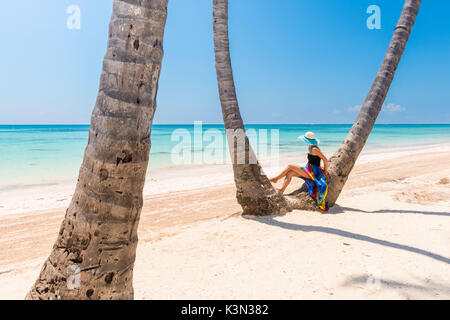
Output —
(46, 154)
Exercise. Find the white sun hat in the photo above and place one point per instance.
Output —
(310, 138)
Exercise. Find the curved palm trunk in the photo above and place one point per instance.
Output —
(250, 181)
(98, 237)
(342, 162)
(254, 191)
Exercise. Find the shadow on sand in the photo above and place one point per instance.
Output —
(342, 233)
(338, 209)
(428, 285)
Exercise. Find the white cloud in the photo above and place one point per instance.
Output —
(354, 108)
(336, 111)
(391, 107)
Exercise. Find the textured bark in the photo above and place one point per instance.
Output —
(254, 191)
(98, 236)
(342, 162)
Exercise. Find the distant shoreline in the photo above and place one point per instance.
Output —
(57, 194)
(40, 164)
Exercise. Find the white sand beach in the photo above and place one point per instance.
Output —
(388, 237)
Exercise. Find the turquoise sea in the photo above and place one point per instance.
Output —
(35, 154)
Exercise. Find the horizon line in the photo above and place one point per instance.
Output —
(204, 123)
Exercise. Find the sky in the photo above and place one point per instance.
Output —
(294, 61)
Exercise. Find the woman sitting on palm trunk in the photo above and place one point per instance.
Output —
(312, 173)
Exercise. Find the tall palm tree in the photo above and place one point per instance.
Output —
(251, 183)
(98, 237)
(342, 162)
(254, 192)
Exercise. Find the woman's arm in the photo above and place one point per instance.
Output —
(317, 152)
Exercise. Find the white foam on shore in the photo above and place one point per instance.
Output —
(37, 197)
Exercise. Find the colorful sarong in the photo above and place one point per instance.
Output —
(317, 186)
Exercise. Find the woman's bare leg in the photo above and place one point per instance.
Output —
(281, 175)
(291, 167)
(287, 181)
(298, 171)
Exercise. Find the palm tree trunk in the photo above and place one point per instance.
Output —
(254, 191)
(342, 162)
(98, 237)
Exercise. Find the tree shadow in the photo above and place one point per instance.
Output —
(427, 286)
(296, 192)
(297, 227)
(338, 209)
